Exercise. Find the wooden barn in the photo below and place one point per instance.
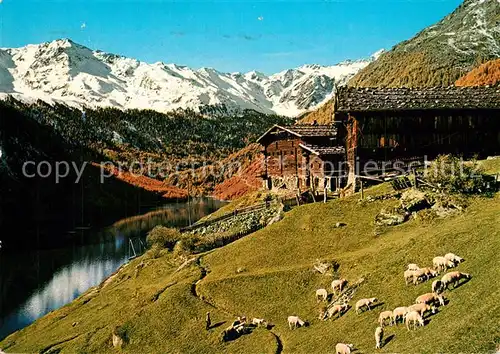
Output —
(387, 128)
(376, 131)
(302, 156)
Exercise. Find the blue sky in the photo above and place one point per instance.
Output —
(265, 35)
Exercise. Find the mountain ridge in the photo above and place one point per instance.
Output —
(68, 72)
(441, 53)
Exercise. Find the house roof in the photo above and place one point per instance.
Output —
(351, 99)
(323, 150)
(301, 131)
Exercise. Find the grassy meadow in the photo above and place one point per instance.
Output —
(269, 274)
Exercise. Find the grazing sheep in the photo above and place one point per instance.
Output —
(365, 302)
(441, 263)
(422, 308)
(413, 266)
(295, 322)
(321, 295)
(399, 312)
(339, 285)
(384, 316)
(453, 277)
(415, 318)
(437, 286)
(430, 298)
(422, 273)
(453, 258)
(336, 310)
(342, 348)
(429, 272)
(258, 321)
(409, 276)
(379, 334)
(418, 275)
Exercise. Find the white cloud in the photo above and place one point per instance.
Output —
(260, 18)
(83, 25)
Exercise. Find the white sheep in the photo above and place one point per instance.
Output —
(437, 286)
(453, 277)
(415, 318)
(418, 275)
(422, 308)
(429, 272)
(409, 276)
(453, 258)
(422, 273)
(258, 321)
(441, 263)
(365, 302)
(384, 316)
(295, 322)
(342, 348)
(413, 266)
(336, 310)
(379, 335)
(321, 295)
(430, 298)
(339, 285)
(399, 312)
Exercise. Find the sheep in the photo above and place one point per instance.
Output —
(437, 286)
(379, 334)
(365, 302)
(430, 298)
(338, 285)
(453, 258)
(429, 272)
(426, 273)
(409, 276)
(336, 310)
(414, 317)
(295, 322)
(321, 295)
(453, 277)
(418, 275)
(413, 266)
(422, 308)
(258, 321)
(441, 263)
(384, 316)
(399, 312)
(342, 348)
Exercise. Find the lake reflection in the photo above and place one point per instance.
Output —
(48, 280)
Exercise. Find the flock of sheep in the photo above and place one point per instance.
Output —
(412, 316)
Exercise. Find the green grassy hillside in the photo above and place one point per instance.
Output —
(162, 310)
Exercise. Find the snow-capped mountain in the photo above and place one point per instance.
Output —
(67, 72)
(440, 54)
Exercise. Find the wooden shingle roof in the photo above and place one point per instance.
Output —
(303, 130)
(323, 150)
(351, 99)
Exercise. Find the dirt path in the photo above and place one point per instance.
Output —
(194, 290)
